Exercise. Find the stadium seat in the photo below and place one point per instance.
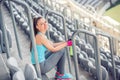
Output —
(83, 2)
(12, 65)
(104, 63)
(104, 74)
(88, 2)
(15, 13)
(116, 58)
(27, 31)
(4, 72)
(17, 17)
(89, 50)
(94, 72)
(103, 56)
(30, 73)
(97, 4)
(93, 2)
(83, 60)
(21, 21)
(82, 77)
(24, 25)
(82, 45)
(18, 76)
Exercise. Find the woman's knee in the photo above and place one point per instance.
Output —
(44, 69)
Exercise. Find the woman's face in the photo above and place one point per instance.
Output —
(42, 25)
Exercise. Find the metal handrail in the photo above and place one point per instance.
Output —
(111, 50)
(4, 30)
(65, 30)
(15, 31)
(97, 58)
(31, 34)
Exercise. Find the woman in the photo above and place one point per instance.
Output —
(56, 54)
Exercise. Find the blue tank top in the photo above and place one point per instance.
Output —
(41, 53)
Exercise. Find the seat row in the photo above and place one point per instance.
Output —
(17, 73)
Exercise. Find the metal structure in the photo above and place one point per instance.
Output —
(97, 56)
(4, 29)
(31, 30)
(15, 31)
(112, 52)
(66, 38)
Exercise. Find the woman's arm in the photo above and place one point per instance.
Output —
(57, 44)
(54, 47)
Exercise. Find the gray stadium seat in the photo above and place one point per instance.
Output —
(15, 13)
(82, 77)
(29, 72)
(88, 2)
(104, 74)
(89, 51)
(18, 76)
(21, 20)
(12, 65)
(17, 17)
(4, 73)
(83, 60)
(94, 72)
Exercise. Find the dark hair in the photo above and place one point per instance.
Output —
(35, 21)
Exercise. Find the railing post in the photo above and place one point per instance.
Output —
(97, 58)
(15, 31)
(31, 34)
(112, 52)
(4, 29)
(112, 56)
(66, 38)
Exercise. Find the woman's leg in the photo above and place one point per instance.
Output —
(61, 64)
(55, 59)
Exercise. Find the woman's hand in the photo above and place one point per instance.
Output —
(69, 42)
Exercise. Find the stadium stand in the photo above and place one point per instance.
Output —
(97, 5)
(86, 51)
